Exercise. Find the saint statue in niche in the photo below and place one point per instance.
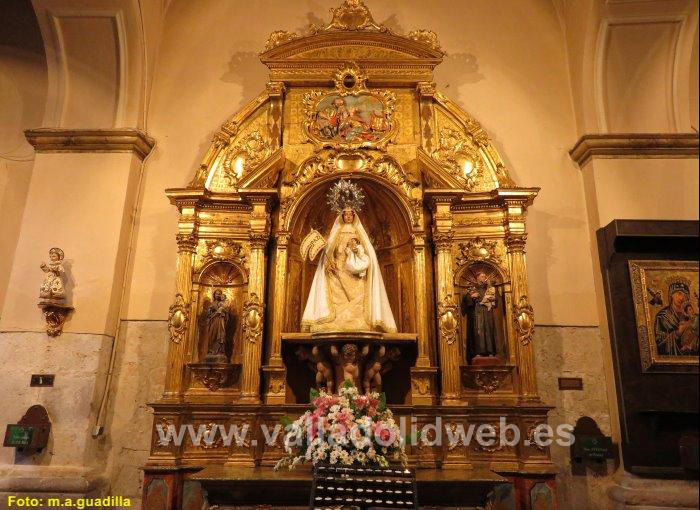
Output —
(347, 292)
(216, 321)
(478, 305)
(52, 290)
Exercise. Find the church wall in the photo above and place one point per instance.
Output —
(80, 362)
(517, 90)
(643, 189)
(138, 379)
(82, 204)
(574, 352)
(22, 99)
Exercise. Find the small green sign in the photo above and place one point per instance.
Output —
(19, 435)
(594, 447)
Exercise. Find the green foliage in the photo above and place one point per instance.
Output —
(382, 403)
(313, 394)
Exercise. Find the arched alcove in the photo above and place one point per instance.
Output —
(231, 280)
(465, 281)
(387, 225)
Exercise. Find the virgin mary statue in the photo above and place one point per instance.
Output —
(347, 292)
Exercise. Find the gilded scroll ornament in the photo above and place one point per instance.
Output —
(448, 317)
(353, 15)
(459, 157)
(489, 380)
(427, 37)
(479, 250)
(495, 444)
(349, 79)
(524, 319)
(243, 156)
(279, 37)
(221, 249)
(532, 438)
(253, 318)
(55, 317)
(178, 319)
(213, 379)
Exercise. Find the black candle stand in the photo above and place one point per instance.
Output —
(336, 487)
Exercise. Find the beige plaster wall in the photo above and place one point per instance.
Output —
(643, 189)
(22, 100)
(506, 65)
(83, 204)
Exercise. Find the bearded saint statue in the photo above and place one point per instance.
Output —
(347, 293)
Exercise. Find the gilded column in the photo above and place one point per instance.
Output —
(275, 372)
(180, 316)
(523, 317)
(448, 315)
(419, 275)
(253, 309)
(423, 391)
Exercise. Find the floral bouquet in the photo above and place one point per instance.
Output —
(345, 429)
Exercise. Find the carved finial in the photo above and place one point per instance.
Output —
(427, 37)
(353, 15)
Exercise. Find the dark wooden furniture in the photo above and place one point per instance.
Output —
(658, 411)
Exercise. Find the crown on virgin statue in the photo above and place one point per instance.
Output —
(346, 195)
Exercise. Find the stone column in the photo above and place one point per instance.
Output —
(275, 373)
(253, 309)
(448, 317)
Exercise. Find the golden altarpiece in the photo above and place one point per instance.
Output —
(440, 208)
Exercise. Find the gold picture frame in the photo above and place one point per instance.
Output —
(351, 116)
(665, 295)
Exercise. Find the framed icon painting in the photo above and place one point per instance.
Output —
(665, 295)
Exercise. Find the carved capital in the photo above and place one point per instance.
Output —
(258, 240)
(253, 312)
(524, 320)
(178, 319)
(426, 89)
(282, 239)
(516, 242)
(448, 319)
(186, 243)
(443, 239)
(275, 88)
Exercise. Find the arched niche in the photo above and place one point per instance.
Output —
(232, 281)
(465, 280)
(387, 223)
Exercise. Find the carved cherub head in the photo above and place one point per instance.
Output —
(56, 254)
(349, 352)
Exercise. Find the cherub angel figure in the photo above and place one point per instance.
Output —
(53, 289)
